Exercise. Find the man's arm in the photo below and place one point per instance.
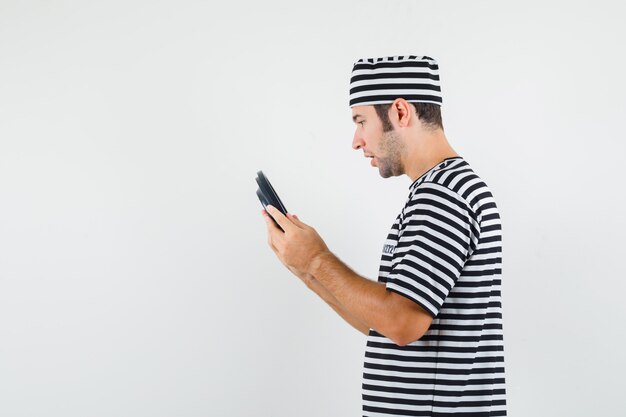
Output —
(391, 314)
(300, 247)
(330, 299)
(315, 286)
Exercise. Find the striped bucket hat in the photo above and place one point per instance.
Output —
(382, 80)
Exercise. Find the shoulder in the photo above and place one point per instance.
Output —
(456, 185)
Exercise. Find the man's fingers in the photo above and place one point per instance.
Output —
(273, 233)
(279, 217)
(297, 221)
(269, 224)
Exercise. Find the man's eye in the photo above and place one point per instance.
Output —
(361, 122)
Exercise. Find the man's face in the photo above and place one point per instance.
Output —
(385, 148)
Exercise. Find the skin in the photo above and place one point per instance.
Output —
(410, 148)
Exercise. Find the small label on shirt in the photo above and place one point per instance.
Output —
(389, 249)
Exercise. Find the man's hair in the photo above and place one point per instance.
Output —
(428, 113)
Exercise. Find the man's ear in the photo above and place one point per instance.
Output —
(402, 112)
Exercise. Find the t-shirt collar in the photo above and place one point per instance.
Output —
(426, 174)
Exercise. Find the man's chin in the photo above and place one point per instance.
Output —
(384, 174)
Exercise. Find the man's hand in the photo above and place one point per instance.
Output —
(297, 246)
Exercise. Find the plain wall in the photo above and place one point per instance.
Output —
(135, 275)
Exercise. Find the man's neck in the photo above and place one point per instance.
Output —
(434, 150)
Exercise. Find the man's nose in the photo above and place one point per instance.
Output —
(357, 141)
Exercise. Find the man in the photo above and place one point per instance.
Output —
(433, 320)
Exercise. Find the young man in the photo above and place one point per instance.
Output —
(433, 319)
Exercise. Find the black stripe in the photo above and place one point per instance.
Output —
(412, 413)
(394, 86)
(429, 413)
(468, 316)
(432, 392)
(477, 185)
(378, 76)
(438, 359)
(391, 64)
(465, 327)
(463, 181)
(455, 338)
(489, 239)
(490, 261)
(484, 251)
(495, 271)
(477, 294)
(475, 284)
(482, 196)
(430, 401)
(433, 370)
(491, 216)
(430, 381)
(491, 228)
(440, 349)
(472, 306)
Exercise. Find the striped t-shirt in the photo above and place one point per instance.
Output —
(444, 252)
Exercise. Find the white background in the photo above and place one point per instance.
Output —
(135, 276)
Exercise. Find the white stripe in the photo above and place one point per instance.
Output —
(394, 80)
(393, 70)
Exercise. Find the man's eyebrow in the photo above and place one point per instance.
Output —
(355, 116)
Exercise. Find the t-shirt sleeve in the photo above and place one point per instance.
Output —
(437, 234)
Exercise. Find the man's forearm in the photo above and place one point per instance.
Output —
(330, 299)
(366, 300)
